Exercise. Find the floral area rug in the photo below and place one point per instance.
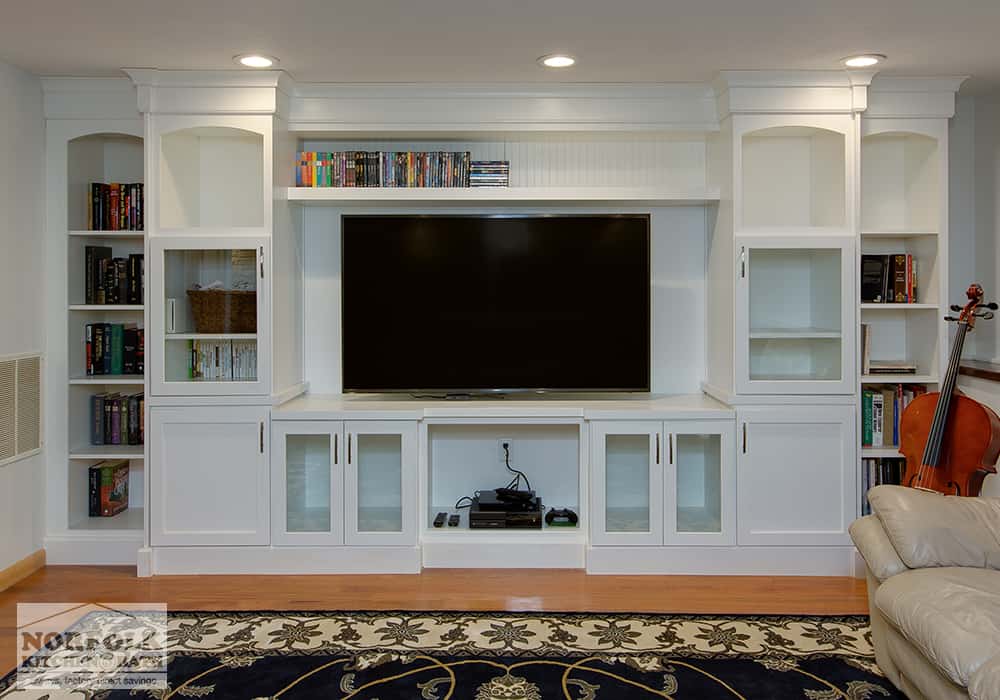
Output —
(505, 656)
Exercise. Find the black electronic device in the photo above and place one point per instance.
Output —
(488, 512)
(439, 520)
(453, 520)
(501, 303)
(506, 500)
(561, 517)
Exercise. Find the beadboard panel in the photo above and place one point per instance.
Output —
(567, 160)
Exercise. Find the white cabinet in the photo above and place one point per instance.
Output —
(208, 476)
(796, 475)
(700, 483)
(307, 484)
(659, 483)
(209, 316)
(380, 483)
(794, 321)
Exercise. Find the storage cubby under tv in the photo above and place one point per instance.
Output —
(463, 459)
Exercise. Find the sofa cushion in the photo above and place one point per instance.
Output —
(985, 683)
(951, 614)
(928, 529)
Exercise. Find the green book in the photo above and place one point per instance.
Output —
(866, 417)
(117, 348)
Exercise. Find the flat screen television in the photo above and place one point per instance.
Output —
(480, 304)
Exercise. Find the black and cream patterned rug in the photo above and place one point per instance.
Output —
(506, 656)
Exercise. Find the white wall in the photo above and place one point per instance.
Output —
(21, 281)
(678, 295)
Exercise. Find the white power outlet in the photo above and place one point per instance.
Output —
(500, 453)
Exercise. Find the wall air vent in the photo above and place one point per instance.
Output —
(20, 407)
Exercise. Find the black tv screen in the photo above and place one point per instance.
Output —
(467, 304)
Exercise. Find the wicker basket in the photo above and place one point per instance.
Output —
(223, 310)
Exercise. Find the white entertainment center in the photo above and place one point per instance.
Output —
(763, 188)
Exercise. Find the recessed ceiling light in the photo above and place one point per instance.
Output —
(255, 60)
(866, 60)
(557, 60)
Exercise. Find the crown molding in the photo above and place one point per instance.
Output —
(211, 92)
(791, 92)
(89, 98)
(901, 97)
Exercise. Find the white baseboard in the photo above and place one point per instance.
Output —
(285, 560)
(724, 561)
(491, 555)
(96, 550)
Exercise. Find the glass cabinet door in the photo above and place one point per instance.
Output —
(381, 493)
(208, 328)
(627, 484)
(700, 488)
(307, 487)
(794, 330)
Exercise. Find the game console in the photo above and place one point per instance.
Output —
(521, 510)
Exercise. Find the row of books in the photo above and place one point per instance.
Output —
(115, 206)
(880, 367)
(117, 419)
(882, 407)
(489, 173)
(874, 472)
(224, 360)
(114, 348)
(108, 485)
(888, 279)
(110, 280)
(384, 169)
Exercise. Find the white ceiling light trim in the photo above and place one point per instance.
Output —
(256, 60)
(556, 60)
(864, 60)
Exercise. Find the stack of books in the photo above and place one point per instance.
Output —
(224, 360)
(115, 206)
(880, 367)
(109, 280)
(382, 169)
(114, 348)
(874, 472)
(888, 279)
(489, 173)
(108, 484)
(882, 408)
(117, 419)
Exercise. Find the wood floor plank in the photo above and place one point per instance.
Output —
(438, 589)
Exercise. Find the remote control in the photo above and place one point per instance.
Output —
(439, 520)
(453, 520)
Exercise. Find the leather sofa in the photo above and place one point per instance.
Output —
(934, 591)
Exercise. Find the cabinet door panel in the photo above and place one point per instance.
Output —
(700, 483)
(796, 475)
(209, 476)
(794, 325)
(627, 483)
(307, 483)
(380, 482)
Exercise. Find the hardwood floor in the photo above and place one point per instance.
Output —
(437, 589)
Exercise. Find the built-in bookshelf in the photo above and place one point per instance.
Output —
(98, 165)
(904, 195)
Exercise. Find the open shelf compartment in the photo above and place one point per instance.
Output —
(900, 183)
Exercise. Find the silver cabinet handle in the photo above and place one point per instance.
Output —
(262, 262)
(744, 438)
(671, 446)
(743, 261)
(657, 448)
(335, 447)
(348, 448)
(262, 437)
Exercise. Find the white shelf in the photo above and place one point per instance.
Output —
(106, 307)
(210, 336)
(897, 307)
(793, 333)
(387, 196)
(867, 452)
(131, 521)
(898, 379)
(131, 235)
(102, 379)
(107, 452)
(898, 233)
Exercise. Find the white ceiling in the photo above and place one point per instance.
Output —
(498, 40)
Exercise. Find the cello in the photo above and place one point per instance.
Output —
(950, 441)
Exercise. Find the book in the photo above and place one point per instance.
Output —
(891, 367)
(866, 348)
(873, 278)
(117, 348)
(115, 206)
(382, 169)
(878, 407)
(866, 418)
(888, 279)
(108, 488)
(97, 419)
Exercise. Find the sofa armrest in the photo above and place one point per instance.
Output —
(875, 548)
(928, 529)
